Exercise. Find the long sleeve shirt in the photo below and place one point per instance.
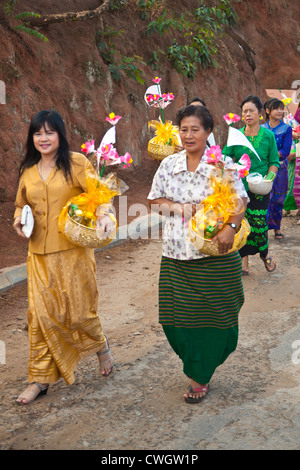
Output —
(283, 136)
(46, 200)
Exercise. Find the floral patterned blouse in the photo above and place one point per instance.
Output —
(173, 181)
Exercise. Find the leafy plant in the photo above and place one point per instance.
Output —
(117, 4)
(198, 33)
(107, 49)
(9, 9)
(130, 68)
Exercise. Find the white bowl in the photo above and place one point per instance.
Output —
(260, 186)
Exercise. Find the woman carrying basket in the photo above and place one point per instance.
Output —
(63, 322)
(264, 143)
(199, 296)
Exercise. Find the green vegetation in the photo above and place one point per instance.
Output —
(19, 20)
(190, 39)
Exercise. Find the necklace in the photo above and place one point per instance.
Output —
(45, 171)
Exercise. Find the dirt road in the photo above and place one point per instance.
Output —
(254, 398)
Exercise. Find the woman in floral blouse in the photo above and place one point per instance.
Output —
(199, 296)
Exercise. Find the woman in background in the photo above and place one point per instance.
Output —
(264, 143)
(283, 135)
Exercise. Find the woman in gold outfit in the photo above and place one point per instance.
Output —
(63, 322)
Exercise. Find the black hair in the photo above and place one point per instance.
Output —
(200, 112)
(196, 99)
(273, 103)
(55, 123)
(255, 100)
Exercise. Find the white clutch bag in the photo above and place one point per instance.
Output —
(27, 221)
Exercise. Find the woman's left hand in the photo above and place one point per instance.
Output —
(225, 239)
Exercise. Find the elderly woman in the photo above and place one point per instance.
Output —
(199, 296)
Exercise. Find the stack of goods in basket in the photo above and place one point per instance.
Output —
(89, 219)
(166, 135)
(223, 203)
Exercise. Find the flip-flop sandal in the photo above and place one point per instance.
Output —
(268, 263)
(279, 236)
(196, 390)
(245, 273)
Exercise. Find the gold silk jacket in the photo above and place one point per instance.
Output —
(46, 199)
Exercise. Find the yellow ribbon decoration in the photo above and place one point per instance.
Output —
(165, 133)
(216, 209)
(98, 192)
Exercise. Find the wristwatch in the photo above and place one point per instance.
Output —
(232, 225)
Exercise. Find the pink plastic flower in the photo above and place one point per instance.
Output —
(156, 80)
(167, 96)
(297, 129)
(88, 147)
(245, 164)
(107, 152)
(230, 118)
(242, 167)
(126, 159)
(113, 119)
(245, 161)
(214, 154)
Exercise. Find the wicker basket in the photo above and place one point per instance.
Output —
(158, 151)
(85, 236)
(204, 245)
(261, 188)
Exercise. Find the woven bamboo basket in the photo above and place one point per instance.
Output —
(204, 245)
(85, 236)
(158, 151)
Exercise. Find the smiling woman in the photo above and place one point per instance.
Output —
(63, 322)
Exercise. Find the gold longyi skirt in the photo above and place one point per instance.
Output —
(63, 322)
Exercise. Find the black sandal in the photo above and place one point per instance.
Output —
(279, 236)
(268, 263)
(43, 391)
(196, 390)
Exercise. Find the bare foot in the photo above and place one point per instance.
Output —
(106, 359)
(32, 392)
(245, 265)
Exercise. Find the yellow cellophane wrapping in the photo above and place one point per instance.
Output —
(214, 212)
(99, 191)
(165, 140)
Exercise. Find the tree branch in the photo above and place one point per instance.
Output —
(246, 48)
(69, 16)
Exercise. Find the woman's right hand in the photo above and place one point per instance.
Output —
(18, 227)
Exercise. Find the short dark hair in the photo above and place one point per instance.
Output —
(200, 112)
(196, 99)
(272, 103)
(255, 100)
